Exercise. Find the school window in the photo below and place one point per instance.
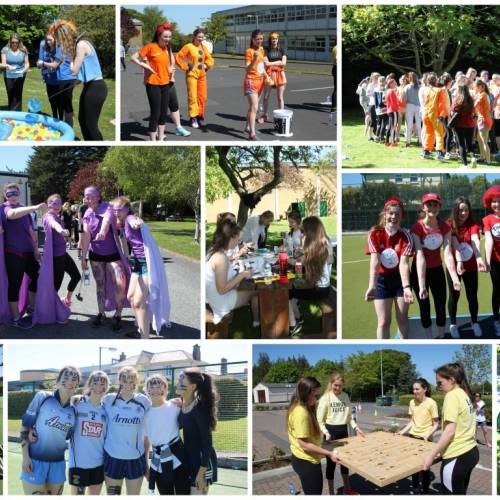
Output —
(299, 13)
(321, 12)
(309, 13)
(332, 12)
(413, 179)
(398, 179)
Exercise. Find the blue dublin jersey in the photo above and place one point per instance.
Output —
(86, 449)
(125, 432)
(53, 423)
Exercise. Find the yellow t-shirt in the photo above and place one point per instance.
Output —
(423, 414)
(457, 408)
(298, 428)
(334, 410)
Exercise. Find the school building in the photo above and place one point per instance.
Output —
(308, 32)
(302, 189)
(428, 180)
(272, 393)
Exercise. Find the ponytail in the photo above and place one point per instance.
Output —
(456, 372)
(205, 393)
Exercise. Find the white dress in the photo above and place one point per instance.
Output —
(220, 304)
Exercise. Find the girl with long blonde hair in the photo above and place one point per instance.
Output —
(15, 62)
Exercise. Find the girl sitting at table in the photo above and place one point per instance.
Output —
(222, 280)
(235, 253)
(317, 261)
(256, 227)
(295, 235)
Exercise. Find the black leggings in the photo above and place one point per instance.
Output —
(310, 475)
(495, 294)
(336, 432)
(436, 284)
(51, 90)
(470, 280)
(425, 475)
(373, 117)
(65, 101)
(17, 266)
(381, 125)
(391, 129)
(179, 485)
(161, 98)
(65, 264)
(456, 472)
(92, 99)
(465, 137)
(14, 87)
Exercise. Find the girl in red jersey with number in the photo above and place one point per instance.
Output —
(491, 227)
(430, 234)
(390, 248)
(467, 253)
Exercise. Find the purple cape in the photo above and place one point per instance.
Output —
(49, 308)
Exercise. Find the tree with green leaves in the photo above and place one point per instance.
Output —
(51, 169)
(420, 38)
(260, 368)
(283, 371)
(215, 28)
(476, 360)
(128, 29)
(254, 171)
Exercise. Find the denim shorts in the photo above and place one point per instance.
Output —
(139, 266)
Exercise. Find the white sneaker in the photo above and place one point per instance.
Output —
(497, 328)
(477, 330)
(454, 332)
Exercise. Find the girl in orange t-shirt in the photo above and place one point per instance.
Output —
(158, 61)
(254, 80)
(484, 120)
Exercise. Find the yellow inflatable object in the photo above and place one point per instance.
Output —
(35, 132)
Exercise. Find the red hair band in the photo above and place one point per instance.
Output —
(164, 27)
(394, 200)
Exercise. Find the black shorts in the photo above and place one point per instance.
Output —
(94, 257)
(496, 127)
(388, 286)
(86, 477)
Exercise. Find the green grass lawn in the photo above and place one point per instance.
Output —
(358, 317)
(230, 482)
(231, 436)
(241, 324)
(361, 153)
(176, 236)
(34, 87)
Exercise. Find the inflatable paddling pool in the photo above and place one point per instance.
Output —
(22, 126)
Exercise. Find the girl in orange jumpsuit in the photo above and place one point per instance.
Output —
(195, 59)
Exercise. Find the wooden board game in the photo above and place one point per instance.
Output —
(383, 457)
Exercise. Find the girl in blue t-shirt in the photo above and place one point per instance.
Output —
(46, 56)
(16, 64)
(50, 418)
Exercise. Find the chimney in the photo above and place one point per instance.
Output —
(122, 357)
(223, 366)
(196, 352)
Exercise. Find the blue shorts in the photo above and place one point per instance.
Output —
(116, 468)
(481, 424)
(46, 472)
(139, 266)
(388, 286)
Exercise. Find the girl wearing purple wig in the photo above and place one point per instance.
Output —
(109, 266)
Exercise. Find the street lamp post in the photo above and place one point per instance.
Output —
(106, 349)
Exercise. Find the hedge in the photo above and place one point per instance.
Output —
(404, 400)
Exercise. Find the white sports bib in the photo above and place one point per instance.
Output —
(495, 230)
(465, 251)
(389, 258)
(261, 69)
(433, 241)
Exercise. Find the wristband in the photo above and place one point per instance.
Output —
(406, 286)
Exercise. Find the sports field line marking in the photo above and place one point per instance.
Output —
(316, 88)
(355, 261)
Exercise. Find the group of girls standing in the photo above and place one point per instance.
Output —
(313, 418)
(309, 241)
(392, 281)
(264, 70)
(126, 263)
(110, 435)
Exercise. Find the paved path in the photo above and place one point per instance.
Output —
(184, 286)
(226, 107)
(269, 430)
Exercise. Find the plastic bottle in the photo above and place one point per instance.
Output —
(283, 262)
(289, 246)
(291, 489)
(298, 268)
(86, 278)
(268, 274)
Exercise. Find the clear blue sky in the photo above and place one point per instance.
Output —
(187, 17)
(355, 179)
(15, 158)
(425, 357)
(56, 354)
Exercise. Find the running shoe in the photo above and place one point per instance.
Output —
(294, 330)
(447, 156)
(426, 155)
(455, 334)
(180, 130)
(497, 328)
(97, 321)
(201, 122)
(194, 123)
(407, 145)
(117, 323)
(440, 156)
(477, 330)
(25, 323)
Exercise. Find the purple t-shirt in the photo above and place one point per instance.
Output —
(58, 241)
(17, 236)
(134, 237)
(93, 219)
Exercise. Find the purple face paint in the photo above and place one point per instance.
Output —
(55, 203)
(11, 194)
